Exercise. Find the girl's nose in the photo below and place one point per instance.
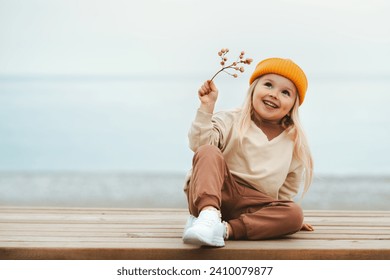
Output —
(272, 95)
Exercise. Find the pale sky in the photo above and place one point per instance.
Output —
(124, 37)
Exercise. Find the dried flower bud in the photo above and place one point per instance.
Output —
(233, 65)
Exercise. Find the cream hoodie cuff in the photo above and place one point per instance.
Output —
(203, 117)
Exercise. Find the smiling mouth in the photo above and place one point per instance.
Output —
(270, 104)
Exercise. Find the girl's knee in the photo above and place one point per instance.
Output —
(295, 216)
(208, 151)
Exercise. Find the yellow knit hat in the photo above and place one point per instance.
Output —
(286, 68)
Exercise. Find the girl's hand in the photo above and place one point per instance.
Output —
(307, 227)
(208, 95)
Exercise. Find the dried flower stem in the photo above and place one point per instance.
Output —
(233, 66)
(219, 72)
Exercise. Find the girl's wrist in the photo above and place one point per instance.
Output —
(207, 107)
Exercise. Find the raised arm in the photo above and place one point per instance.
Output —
(208, 95)
(206, 129)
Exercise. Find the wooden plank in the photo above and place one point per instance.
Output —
(146, 238)
(172, 243)
(159, 237)
(146, 211)
(167, 211)
(159, 219)
(70, 210)
(101, 226)
(163, 211)
(91, 227)
(175, 251)
(346, 213)
(178, 232)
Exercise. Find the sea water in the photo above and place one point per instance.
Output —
(141, 189)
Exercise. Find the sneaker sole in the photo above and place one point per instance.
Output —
(197, 239)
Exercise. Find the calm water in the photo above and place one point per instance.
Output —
(123, 189)
(136, 125)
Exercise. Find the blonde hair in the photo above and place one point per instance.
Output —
(292, 126)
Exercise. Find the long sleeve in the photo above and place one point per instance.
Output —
(207, 129)
(291, 186)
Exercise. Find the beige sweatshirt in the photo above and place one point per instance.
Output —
(266, 165)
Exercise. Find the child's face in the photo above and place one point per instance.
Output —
(273, 97)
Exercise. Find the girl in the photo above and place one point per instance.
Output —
(249, 163)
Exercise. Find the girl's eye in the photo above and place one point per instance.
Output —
(268, 84)
(286, 92)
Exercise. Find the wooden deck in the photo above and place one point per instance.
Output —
(84, 233)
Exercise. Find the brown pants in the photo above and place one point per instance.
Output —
(251, 214)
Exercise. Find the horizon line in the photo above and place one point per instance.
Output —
(148, 76)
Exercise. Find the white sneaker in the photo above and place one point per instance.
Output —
(190, 221)
(207, 230)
